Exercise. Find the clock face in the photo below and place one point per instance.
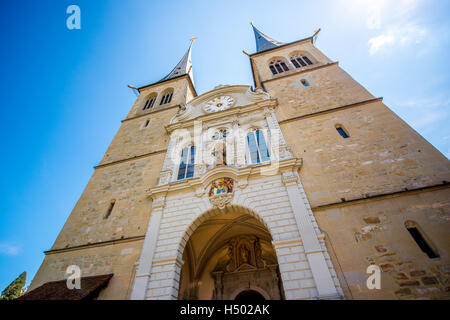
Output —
(219, 104)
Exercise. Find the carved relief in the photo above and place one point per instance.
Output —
(221, 192)
(220, 98)
(246, 264)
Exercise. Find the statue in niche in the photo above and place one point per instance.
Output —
(260, 262)
(226, 264)
(219, 151)
(229, 267)
(244, 253)
(246, 261)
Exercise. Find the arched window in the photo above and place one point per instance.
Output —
(167, 97)
(413, 230)
(149, 102)
(278, 66)
(257, 147)
(301, 60)
(186, 169)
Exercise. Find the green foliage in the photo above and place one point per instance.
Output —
(16, 288)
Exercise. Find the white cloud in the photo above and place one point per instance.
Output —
(9, 249)
(400, 29)
(379, 42)
(397, 35)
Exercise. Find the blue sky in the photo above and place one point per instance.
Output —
(64, 92)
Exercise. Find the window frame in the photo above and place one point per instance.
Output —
(421, 240)
(166, 97)
(278, 65)
(189, 165)
(258, 148)
(152, 99)
(305, 83)
(341, 127)
(301, 60)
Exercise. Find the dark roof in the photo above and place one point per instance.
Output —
(264, 42)
(183, 67)
(57, 290)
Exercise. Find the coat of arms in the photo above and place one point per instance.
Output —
(221, 192)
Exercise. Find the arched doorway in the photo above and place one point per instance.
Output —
(227, 254)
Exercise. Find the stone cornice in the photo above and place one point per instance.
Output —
(156, 110)
(95, 244)
(238, 174)
(352, 105)
(381, 196)
(271, 103)
(102, 165)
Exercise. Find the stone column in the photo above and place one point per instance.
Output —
(314, 253)
(143, 272)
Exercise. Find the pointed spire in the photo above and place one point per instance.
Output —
(264, 42)
(183, 67)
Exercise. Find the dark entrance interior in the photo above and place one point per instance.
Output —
(249, 295)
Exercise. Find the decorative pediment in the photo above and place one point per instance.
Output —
(219, 99)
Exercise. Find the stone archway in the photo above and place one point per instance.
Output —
(227, 254)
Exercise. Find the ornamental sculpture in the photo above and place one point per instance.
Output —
(221, 192)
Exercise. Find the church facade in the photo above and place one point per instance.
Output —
(288, 189)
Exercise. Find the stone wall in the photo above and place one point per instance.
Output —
(373, 231)
(134, 139)
(126, 183)
(382, 155)
(329, 87)
(119, 259)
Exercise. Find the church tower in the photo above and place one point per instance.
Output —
(294, 188)
(105, 231)
(378, 190)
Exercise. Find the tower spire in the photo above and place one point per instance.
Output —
(264, 42)
(184, 66)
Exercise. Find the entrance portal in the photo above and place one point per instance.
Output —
(230, 253)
